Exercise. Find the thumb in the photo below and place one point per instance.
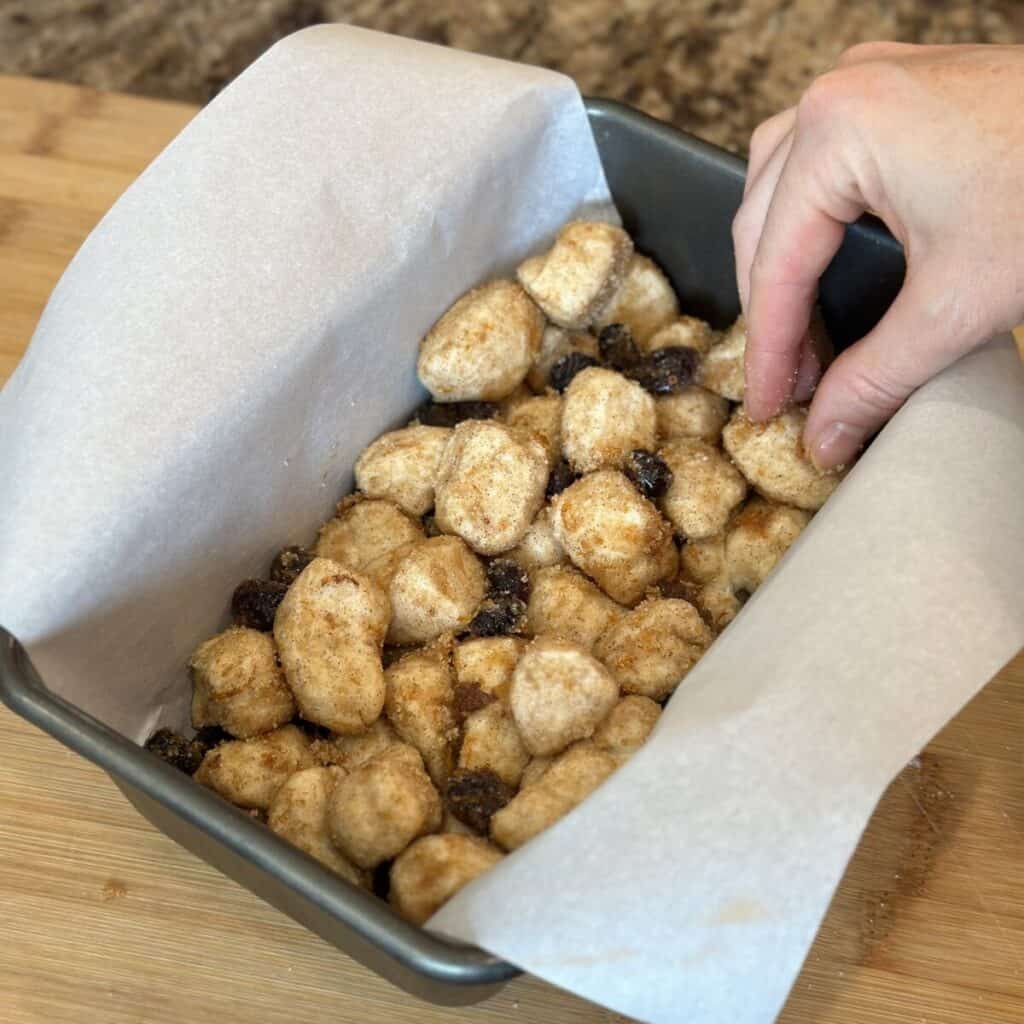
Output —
(918, 337)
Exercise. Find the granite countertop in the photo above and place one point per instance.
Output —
(713, 67)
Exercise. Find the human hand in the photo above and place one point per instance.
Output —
(929, 138)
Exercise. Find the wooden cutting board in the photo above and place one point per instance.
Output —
(105, 920)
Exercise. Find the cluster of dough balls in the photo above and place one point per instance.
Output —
(489, 626)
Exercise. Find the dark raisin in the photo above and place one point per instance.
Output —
(392, 654)
(178, 752)
(211, 736)
(679, 589)
(382, 879)
(617, 347)
(498, 618)
(560, 477)
(469, 698)
(567, 367)
(506, 578)
(289, 562)
(651, 477)
(667, 370)
(474, 796)
(448, 414)
(254, 603)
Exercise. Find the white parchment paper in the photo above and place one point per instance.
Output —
(246, 320)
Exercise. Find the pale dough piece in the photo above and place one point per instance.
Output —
(559, 694)
(329, 631)
(238, 684)
(604, 417)
(250, 772)
(771, 456)
(402, 467)
(578, 277)
(706, 488)
(483, 346)
(435, 868)
(644, 302)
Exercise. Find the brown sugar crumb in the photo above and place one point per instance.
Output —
(474, 796)
(113, 890)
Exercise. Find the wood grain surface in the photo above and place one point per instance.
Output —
(105, 920)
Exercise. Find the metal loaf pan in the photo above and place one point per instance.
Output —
(677, 196)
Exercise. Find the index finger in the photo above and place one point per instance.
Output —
(802, 231)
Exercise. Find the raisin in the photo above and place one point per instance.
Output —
(381, 881)
(679, 589)
(617, 347)
(506, 578)
(178, 752)
(392, 654)
(651, 477)
(498, 618)
(211, 736)
(474, 796)
(560, 477)
(567, 367)
(254, 603)
(667, 370)
(289, 562)
(468, 698)
(448, 414)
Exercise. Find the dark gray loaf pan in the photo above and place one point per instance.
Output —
(677, 196)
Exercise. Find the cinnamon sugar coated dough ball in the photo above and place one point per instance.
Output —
(419, 706)
(436, 589)
(771, 456)
(535, 770)
(692, 412)
(329, 631)
(566, 782)
(654, 646)
(604, 417)
(483, 346)
(434, 869)
(627, 727)
(705, 488)
(490, 485)
(703, 561)
(565, 604)
(721, 370)
(614, 535)
(539, 547)
(377, 810)
(487, 663)
(368, 535)
(250, 772)
(542, 415)
(683, 332)
(758, 537)
(559, 694)
(402, 466)
(238, 684)
(644, 302)
(350, 752)
(491, 740)
(574, 282)
(298, 813)
(555, 343)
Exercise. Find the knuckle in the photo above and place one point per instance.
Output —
(874, 391)
(863, 51)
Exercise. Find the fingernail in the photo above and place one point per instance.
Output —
(835, 444)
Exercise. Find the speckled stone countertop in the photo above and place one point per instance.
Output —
(714, 67)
